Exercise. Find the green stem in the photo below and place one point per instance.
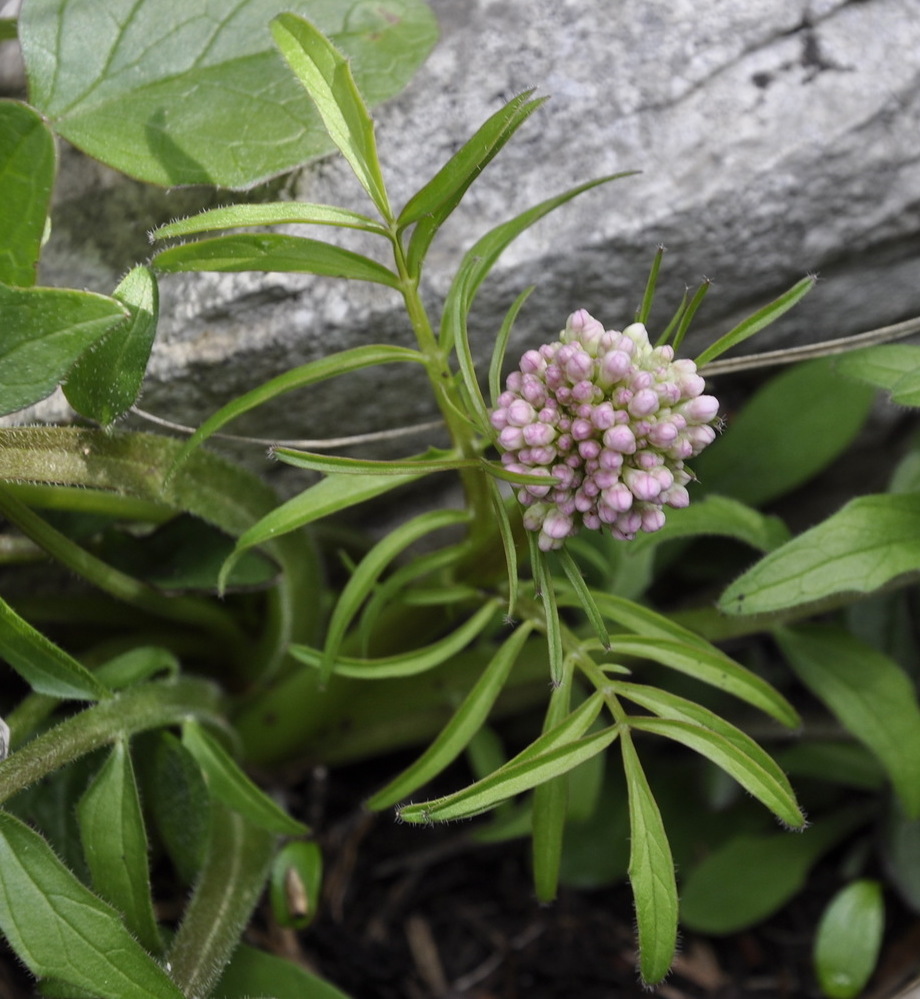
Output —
(152, 705)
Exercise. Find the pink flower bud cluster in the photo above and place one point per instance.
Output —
(612, 419)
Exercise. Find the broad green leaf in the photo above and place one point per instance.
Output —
(651, 873)
(867, 544)
(834, 762)
(760, 320)
(434, 203)
(327, 78)
(370, 568)
(45, 330)
(115, 845)
(269, 251)
(28, 163)
(340, 363)
(759, 458)
(900, 849)
(713, 667)
(8, 31)
(60, 929)
(403, 664)
(46, 667)
(171, 94)
(751, 876)
(231, 881)
(273, 213)
(296, 884)
(894, 367)
(254, 972)
(849, 939)
(106, 380)
(466, 721)
(718, 516)
(870, 695)
(228, 784)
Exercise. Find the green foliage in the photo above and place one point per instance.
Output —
(849, 939)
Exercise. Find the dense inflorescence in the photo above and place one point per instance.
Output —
(609, 417)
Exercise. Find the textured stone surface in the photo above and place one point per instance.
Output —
(775, 140)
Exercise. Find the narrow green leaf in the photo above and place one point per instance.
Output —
(463, 725)
(272, 252)
(115, 845)
(46, 667)
(867, 544)
(501, 343)
(170, 96)
(368, 571)
(758, 460)
(434, 203)
(869, 693)
(335, 465)
(509, 544)
(272, 213)
(758, 321)
(340, 363)
(402, 664)
(687, 314)
(326, 76)
(28, 163)
(584, 596)
(651, 873)
(228, 784)
(751, 876)
(713, 667)
(849, 939)
(546, 591)
(645, 308)
(106, 380)
(499, 471)
(254, 972)
(60, 929)
(45, 330)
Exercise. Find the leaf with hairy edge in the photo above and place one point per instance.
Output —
(867, 544)
(894, 367)
(28, 163)
(869, 693)
(272, 213)
(368, 571)
(761, 319)
(341, 363)
(329, 464)
(106, 380)
(404, 663)
(272, 252)
(326, 76)
(463, 725)
(651, 872)
(115, 845)
(45, 330)
(46, 667)
(174, 94)
(228, 784)
(713, 667)
(60, 929)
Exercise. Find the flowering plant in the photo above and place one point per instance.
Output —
(593, 432)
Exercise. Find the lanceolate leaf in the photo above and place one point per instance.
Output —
(46, 667)
(27, 166)
(60, 929)
(332, 464)
(44, 331)
(651, 873)
(273, 213)
(870, 542)
(115, 845)
(869, 693)
(106, 380)
(272, 252)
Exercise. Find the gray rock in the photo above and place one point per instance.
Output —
(774, 140)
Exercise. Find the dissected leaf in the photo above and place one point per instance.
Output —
(45, 330)
(28, 163)
(60, 929)
(869, 693)
(106, 380)
(115, 845)
(849, 939)
(173, 94)
(868, 543)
